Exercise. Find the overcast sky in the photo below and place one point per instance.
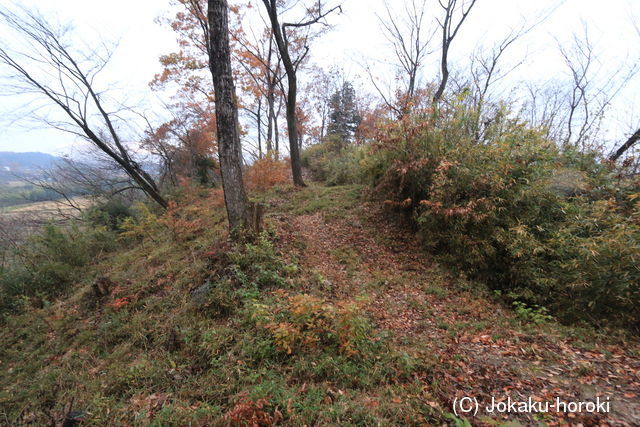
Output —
(355, 40)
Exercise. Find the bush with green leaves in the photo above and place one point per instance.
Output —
(547, 227)
(258, 264)
(301, 323)
(110, 213)
(333, 162)
(49, 262)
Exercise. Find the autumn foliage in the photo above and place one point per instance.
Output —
(301, 323)
(252, 413)
(542, 226)
(266, 173)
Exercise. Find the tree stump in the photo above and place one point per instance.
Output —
(255, 220)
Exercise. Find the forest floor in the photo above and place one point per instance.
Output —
(474, 345)
(143, 355)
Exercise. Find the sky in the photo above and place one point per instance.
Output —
(355, 41)
(141, 41)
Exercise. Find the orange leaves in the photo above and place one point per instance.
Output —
(445, 166)
(286, 335)
(119, 303)
(308, 319)
(185, 221)
(267, 173)
(470, 210)
(216, 198)
(248, 412)
(405, 204)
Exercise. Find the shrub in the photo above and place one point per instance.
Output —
(300, 323)
(333, 162)
(217, 299)
(255, 413)
(110, 213)
(142, 224)
(50, 261)
(259, 264)
(548, 228)
(267, 172)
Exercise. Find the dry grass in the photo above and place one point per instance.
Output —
(18, 222)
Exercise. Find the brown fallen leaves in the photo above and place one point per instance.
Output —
(478, 352)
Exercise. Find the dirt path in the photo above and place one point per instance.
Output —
(473, 345)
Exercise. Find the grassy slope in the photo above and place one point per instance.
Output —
(147, 353)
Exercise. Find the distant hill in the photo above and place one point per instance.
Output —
(26, 160)
(24, 164)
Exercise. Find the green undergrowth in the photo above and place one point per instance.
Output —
(550, 227)
(178, 326)
(332, 202)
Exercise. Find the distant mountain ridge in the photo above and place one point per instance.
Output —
(28, 164)
(27, 160)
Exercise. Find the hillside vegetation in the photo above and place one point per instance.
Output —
(551, 229)
(334, 315)
(266, 240)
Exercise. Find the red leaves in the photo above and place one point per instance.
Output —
(405, 204)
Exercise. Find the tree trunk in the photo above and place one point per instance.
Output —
(259, 124)
(271, 94)
(620, 151)
(276, 127)
(292, 128)
(445, 72)
(229, 149)
(272, 116)
(292, 92)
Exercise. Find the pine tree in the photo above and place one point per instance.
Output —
(344, 117)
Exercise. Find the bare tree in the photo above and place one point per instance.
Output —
(544, 108)
(635, 136)
(485, 72)
(450, 29)
(263, 70)
(281, 36)
(320, 90)
(626, 146)
(73, 180)
(410, 38)
(590, 92)
(64, 76)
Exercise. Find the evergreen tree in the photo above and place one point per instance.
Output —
(344, 117)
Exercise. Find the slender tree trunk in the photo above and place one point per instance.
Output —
(445, 71)
(229, 149)
(449, 32)
(322, 126)
(142, 178)
(277, 134)
(271, 93)
(292, 92)
(272, 116)
(292, 128)
(148, 187)
(259, 123)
